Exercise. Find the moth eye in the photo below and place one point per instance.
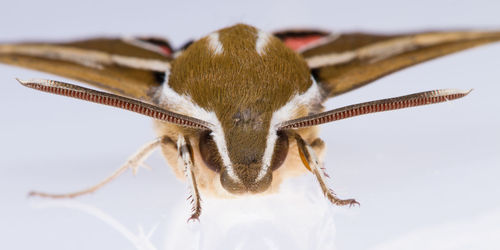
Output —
(280, 150)
(209, 152)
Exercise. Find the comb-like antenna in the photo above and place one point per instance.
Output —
(91, 95)
(418, 99)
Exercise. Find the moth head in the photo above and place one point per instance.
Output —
(240, 78)
(247, 170)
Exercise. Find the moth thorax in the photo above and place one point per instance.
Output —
(239, 77)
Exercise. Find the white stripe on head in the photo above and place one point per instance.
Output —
(214, 43)
(183, 104)
(262, 42)
(287, 112)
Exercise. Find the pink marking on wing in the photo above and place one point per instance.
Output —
(166, 50)
(296, 43)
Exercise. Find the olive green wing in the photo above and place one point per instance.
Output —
(343, 62)
(132, 67)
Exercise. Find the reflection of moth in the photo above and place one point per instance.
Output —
(236, 111)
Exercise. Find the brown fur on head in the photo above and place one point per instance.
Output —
(215, 73)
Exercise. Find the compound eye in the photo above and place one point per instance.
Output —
(209, 152)
(280, 150)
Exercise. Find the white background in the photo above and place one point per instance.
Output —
(427, 178)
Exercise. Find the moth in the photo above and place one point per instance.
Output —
(237, 111)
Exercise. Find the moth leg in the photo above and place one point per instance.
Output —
(319, 147)
(311, 162)
(134, 162)
(186, 155)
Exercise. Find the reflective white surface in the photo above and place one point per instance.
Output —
(427, 178)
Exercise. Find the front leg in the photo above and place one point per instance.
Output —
(311, 162)
(186, 155)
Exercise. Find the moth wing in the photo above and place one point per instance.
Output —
(343, 62)
(132, 67)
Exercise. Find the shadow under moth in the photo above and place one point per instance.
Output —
(236, 112)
